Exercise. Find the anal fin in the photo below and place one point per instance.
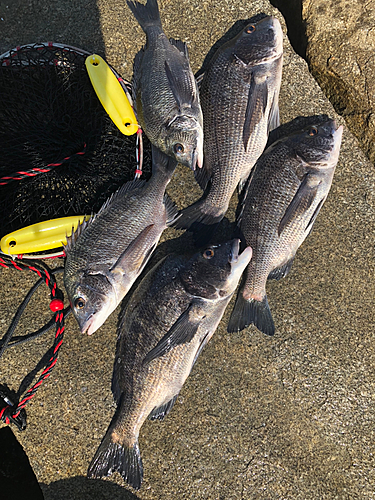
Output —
(282, 271)
(181, 46)
(162, 411)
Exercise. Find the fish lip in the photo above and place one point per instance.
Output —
(196, 159)
(240, 260)
(337, 131)
(337, 138)
(87, 326)
(234, 251)
(279, 36)
(200, 158)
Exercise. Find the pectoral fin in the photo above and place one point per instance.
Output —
(181, 332)
(198, 79)
(172, 211)
(314, 215)
(301, 202)
(256, 107)
(274, 115)
(137, 253)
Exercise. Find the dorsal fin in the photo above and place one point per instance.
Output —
(129, 186)
(137, 65)
(203, 175)
(71, 240)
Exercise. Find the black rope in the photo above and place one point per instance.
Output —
(8, 340)
(11, 409)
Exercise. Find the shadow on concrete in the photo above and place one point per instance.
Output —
(74, 23)
(81, 488)
(292, 12)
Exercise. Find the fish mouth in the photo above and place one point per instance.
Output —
(92, 323)
(335, 151)
(97, 317)
(234, 251)
(196, 159)
(241, 260)
(238, 264)
(88, 326)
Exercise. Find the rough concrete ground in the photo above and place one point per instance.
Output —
(289, 417)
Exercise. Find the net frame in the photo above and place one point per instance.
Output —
(77, 178)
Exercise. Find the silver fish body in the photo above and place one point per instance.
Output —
(286, 191)
(166, 93)
(106, 255)
(168, 320)
(239, 98)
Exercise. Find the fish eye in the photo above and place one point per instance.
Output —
(178, 148)
(313, 131)
(79, 303)
(250, 29)
(209, 253)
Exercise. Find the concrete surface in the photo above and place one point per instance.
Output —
(289, 417)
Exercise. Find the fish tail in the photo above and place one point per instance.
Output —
(251, 312)
(147, 15)
(201, 219)
(117, 457)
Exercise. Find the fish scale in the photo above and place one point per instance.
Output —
(166, 94)
(170, 317)
(272, 192)
(106, 255)
(235, 125)
(286, 190)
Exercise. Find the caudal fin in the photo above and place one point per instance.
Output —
(201, 219)
(111, 457)
(147, 15)
(251, 312)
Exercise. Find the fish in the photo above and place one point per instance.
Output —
(165, 91)
(105, 255)
(168, 320)
(239, 94)
(286, 191)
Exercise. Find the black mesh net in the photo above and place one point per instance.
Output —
(62, 152)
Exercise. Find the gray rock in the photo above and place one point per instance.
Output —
(341, 56)
(337, 39)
